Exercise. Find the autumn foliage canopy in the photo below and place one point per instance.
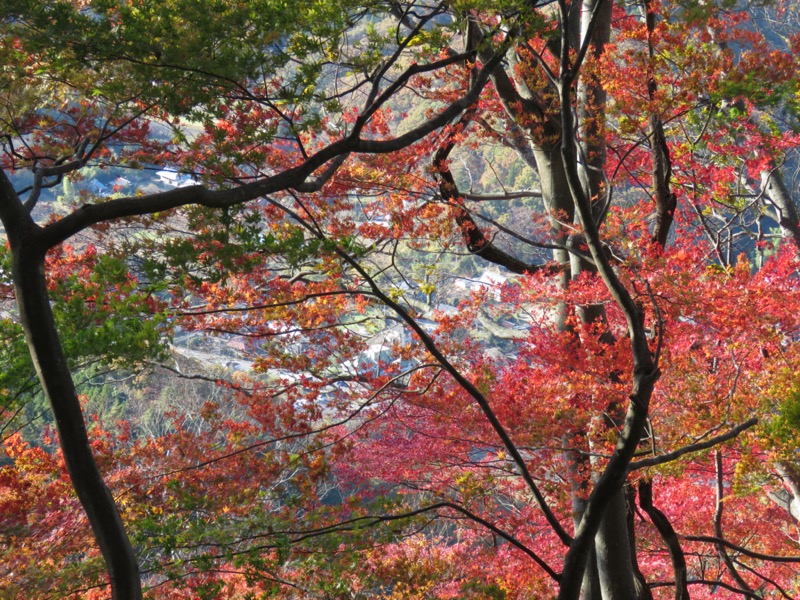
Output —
(367, 299)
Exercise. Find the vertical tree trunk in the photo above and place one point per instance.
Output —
(592, 107)
(579, 466)
(555, 194)
(613, 551)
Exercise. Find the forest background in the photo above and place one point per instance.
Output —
(417, 299)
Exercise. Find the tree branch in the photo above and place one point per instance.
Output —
(726, 559)
(719, 541)
(676, 454)
(669, 536)
(475, 240)
(292, 178)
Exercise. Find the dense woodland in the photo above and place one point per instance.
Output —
(416, 299)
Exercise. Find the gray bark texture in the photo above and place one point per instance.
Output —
(775, 190)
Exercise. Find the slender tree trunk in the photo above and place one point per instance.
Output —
(613, 551)
(53, 371)
(610, 571)
(592, 100)
(604, 516)
(36, 315)
(555, 194)
(579, 467)
(602, 510)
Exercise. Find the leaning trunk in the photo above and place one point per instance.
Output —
(51, 366)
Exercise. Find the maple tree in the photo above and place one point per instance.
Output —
(612, 414)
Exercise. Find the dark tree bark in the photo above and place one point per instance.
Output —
(669, 536)
(28, 272)
(661, 163)
(29, 244)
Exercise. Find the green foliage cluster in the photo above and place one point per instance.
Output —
(103, 320)
(783, 429)
(106, 317)
(197, 50)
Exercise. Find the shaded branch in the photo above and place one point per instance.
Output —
(292, 178)
(719, 541)
(475, 240)
(503, 196)
(721, 549)
(713, 583)
(676, 454)
(667, 533)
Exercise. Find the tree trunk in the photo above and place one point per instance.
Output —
(36, 316)
(613, 552)
(579, 466)
(775, 190)
(790, 476)
(592, 100)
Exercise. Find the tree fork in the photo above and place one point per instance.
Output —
(645, 370)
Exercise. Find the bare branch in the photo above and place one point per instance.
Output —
(676, 454)
(721, 549)
(740, 549)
